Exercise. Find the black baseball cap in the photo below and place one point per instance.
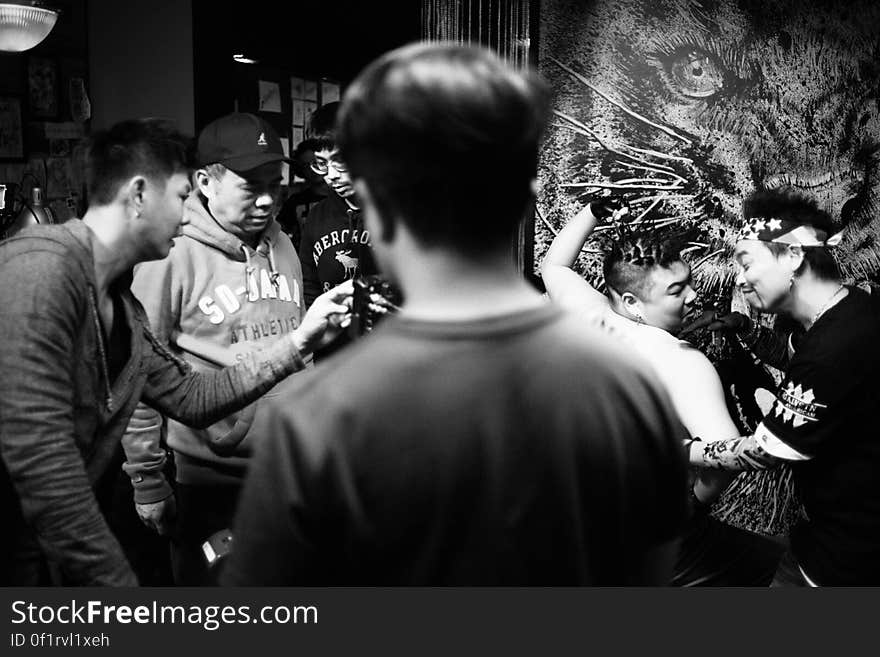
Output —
(240, 142)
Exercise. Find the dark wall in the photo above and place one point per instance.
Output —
(141, 66)
(306, 38)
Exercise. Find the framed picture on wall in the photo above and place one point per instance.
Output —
(11, 133)
(42, 88)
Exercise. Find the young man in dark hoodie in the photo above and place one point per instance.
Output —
(232, 284)
(78, 354)
(335, 245)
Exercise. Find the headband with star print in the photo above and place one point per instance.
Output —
(784, 231)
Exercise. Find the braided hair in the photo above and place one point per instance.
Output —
(635, 254)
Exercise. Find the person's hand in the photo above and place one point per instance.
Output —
(606, 207)
(328, 315)
(158, 516)
(711, 320)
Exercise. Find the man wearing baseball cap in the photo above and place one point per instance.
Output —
(232, 284)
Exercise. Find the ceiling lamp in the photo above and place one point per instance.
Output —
(24, 24)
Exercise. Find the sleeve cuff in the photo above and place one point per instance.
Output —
(151, 488)
(775, 446)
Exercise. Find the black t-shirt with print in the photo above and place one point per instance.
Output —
(826, 409)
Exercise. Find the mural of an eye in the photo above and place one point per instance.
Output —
(694, 74)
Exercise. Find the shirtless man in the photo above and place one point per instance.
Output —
(649, 294)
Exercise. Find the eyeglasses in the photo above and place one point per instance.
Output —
(322, 167)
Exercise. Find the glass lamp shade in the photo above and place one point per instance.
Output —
(22, 26)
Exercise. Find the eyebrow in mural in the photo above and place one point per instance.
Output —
(580, 78)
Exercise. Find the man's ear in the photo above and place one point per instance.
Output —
(381, 228)
(133, 194)
(633, 306)
(203, 181)
(796, 255)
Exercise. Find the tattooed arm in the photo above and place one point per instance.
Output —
(741, 453)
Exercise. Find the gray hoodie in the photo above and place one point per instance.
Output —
(214, 290)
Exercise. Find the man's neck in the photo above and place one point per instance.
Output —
(252, 239)
(112, 250)
(813, 296)
(438, 286)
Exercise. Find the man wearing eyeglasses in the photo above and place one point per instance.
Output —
(335, 245)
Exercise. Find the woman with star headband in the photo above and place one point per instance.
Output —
(822, 419)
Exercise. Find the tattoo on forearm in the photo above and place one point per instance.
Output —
(742, 453)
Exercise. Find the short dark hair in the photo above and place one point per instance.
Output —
(632, 258)
(322, 127)
(151, 147)
(305, 146)
(446, 137)
(800, 209)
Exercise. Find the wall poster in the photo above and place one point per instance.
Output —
(11, 133)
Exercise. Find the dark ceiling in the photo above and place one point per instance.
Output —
(306, 38)
(312, 37)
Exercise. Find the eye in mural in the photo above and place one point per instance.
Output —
(700, 69)
(694, 74)
(687, 106)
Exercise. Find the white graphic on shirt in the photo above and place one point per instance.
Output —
(797, 406)
(344, 237)
(348, 262)
(227, 301)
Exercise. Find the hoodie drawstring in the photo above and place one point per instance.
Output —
(249, 269)
(273, 269)
(352, 214)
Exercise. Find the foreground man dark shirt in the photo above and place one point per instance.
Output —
(483, 436)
